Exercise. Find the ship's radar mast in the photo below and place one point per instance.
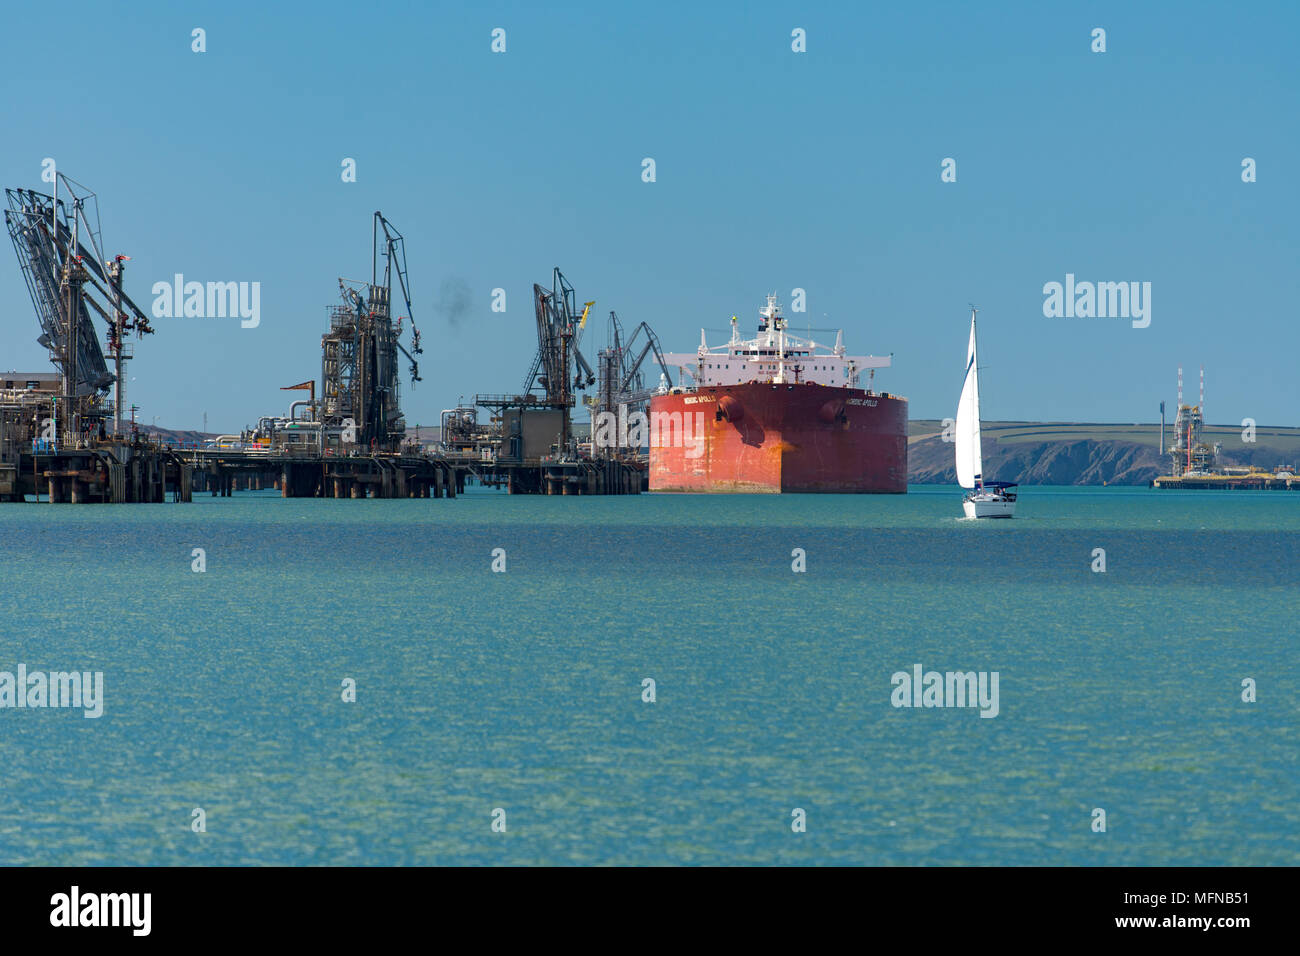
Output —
(771, 315)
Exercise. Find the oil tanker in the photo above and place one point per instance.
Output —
(777, 413)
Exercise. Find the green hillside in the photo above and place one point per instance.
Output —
(1280, 437)
(1086, 453)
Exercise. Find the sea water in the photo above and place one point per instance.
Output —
(519, 697)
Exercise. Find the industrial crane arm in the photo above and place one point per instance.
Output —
(651, 345)
(396, 257)
(583, 367)
(415, 366)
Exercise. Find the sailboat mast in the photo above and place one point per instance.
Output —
(975, 377)
(967, 434)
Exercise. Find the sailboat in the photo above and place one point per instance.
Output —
(986, 499)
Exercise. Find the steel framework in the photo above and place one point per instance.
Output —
(60, 252)
(360, 385)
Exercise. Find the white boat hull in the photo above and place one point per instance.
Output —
(989, 506)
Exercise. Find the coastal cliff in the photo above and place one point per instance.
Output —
(1083, 454)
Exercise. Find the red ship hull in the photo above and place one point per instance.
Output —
(761, 437)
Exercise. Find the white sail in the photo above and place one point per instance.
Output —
(967, 434)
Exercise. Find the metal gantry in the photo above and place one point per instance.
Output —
(623, 390)
(624, 360)
(559, 329)
(559, 332)
(60, 252)
(360, 385)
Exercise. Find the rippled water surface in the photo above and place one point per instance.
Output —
(523, 690)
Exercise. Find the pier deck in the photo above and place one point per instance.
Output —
(142, 471)
(1248, 482)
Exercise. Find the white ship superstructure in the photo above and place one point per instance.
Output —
(774, 355)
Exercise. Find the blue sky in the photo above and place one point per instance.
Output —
(775, 170)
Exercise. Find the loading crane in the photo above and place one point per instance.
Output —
(394, 254)
(360, 387)
(632, 387)
(622, 382)
(559, 369)
(557, 344)
(60, 252)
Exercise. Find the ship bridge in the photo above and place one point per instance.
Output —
(774, 355)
